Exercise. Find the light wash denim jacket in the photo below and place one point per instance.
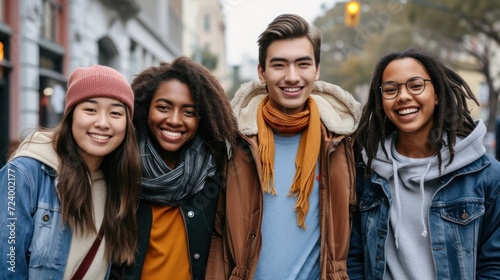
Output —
(464, 220)
(34, 241)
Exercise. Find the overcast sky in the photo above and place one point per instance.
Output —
(247, 19)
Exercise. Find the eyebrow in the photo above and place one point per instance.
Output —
(406, 80)
(171, 103)
(117, 104)
(282, 59)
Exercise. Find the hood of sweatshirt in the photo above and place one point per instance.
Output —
(467, 150)
(338, 109)
(38, 145)
(414, 173)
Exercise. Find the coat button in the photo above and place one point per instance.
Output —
(464, 215)
(46, 218)
(190, 214)
(196, 256)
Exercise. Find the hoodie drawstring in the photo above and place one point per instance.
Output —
(398, 202)
(422, 194)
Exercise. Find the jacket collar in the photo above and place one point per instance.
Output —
(339, 111)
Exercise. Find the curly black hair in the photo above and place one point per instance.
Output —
(217, 121)
(451, 114)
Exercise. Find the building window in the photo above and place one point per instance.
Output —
(51, 88)
(48, 26)
(108, 52)
(206, 23)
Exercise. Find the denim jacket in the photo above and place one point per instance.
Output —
(464, 219)
(34, 241)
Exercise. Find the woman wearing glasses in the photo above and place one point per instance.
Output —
(427, 192)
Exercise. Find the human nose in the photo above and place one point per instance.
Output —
(174, 118)
(404, 93)
(292, 74)
(102, 121)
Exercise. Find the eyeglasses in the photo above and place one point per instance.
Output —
(415, 86)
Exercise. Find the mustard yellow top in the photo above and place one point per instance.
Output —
(167, 254)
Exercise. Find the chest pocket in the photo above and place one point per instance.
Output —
(463, 212)
(42, 230)
(370, 200)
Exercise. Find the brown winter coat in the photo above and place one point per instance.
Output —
(237, 238)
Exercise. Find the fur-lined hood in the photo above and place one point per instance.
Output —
(338, 110)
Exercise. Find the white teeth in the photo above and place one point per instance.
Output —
(171, 134)
(291, 89)
(407, 111)
(99, 137)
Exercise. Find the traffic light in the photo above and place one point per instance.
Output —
(352, 10)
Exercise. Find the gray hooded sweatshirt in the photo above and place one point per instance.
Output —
(412, 183)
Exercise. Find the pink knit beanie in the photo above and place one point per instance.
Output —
(98, 81)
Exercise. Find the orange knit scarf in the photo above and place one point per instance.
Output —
(308, 121)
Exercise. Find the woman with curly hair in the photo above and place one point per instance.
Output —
(185, 124)
(427, 192)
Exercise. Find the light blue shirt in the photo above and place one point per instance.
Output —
(288, 251)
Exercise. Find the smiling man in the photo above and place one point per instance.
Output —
(290, 181)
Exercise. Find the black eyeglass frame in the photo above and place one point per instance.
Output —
(406, 86)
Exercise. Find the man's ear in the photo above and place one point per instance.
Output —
(262, 74)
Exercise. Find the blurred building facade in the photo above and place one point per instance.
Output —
(43, 41)
(204, 36)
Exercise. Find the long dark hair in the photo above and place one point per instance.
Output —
(217, 123)
(122, 171)
(451, 115)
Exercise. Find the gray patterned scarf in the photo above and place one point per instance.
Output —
(164, 186)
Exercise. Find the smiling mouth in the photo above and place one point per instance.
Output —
(292, 90)
(99, 137)
(409, 111)
(171, 133)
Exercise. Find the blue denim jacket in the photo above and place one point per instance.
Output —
(34, 241)
(464, 220)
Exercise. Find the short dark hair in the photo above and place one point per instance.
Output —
(288, 26)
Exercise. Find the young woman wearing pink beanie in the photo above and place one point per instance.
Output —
(68, 195)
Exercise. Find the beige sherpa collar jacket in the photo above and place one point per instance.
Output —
(237, 239)
(339, 111)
